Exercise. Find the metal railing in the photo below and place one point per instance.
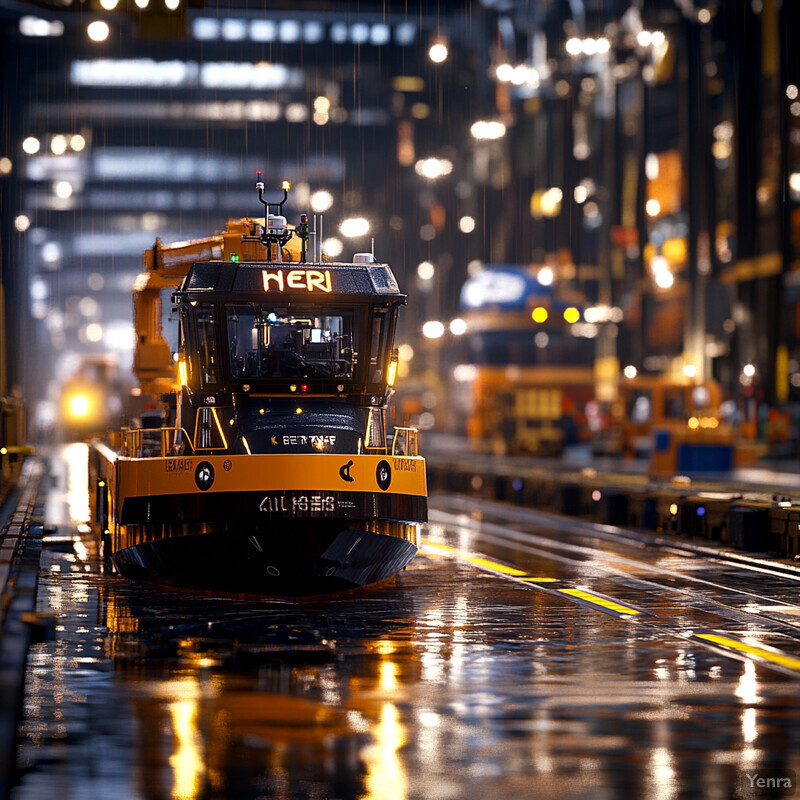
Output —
(154, 442)
(175, 441)
(404, 442)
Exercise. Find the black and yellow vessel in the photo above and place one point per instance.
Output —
(267, 468)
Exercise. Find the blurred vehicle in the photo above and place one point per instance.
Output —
(646, 404)
(91, 399)
(524, 369)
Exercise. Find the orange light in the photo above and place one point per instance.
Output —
(308, 279)
(183, 376)
(79, 405)
(392, 374)
(539, 314)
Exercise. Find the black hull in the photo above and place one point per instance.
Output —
(285, 561)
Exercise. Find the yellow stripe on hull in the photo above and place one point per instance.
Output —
(285, 524)
(273, 472)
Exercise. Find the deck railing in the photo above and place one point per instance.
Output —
(154, 442)
(175, 441)
(404, 442)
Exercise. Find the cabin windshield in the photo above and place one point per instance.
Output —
(268, 341)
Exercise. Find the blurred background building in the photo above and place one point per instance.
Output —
(640, 158)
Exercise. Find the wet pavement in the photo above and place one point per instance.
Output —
(518, 656)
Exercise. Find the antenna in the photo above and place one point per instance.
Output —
(276, 203)
(275, 230)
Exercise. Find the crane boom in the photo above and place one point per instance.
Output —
(165, 267)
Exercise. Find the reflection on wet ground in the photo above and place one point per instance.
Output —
(442, 683)
(446, 682)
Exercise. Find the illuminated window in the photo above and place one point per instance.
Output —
(267, 341)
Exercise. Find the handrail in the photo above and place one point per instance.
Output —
(135, 441)
(169, 447)
(17, 450)
(404, 442)
(158, 442)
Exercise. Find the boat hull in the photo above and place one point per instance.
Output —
(285, 525)
(280, 560)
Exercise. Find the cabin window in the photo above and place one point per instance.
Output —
(640, 406)
(269, 341)
(207, 343)
(675, 404)
(381, 331)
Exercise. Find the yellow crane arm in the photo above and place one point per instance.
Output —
(165, 266)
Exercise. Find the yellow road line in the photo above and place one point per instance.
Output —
(596, 600)
(606, 605)
(428, 548)
(495, 566)
(486, 563)
(505, 569)
(775, 656)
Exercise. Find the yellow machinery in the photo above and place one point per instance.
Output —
(165, 267)
(272, 471)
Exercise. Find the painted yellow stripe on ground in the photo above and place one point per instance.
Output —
(496, 566)
(486, 563)
(776, 657)
(599, 601)
(439, 549)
